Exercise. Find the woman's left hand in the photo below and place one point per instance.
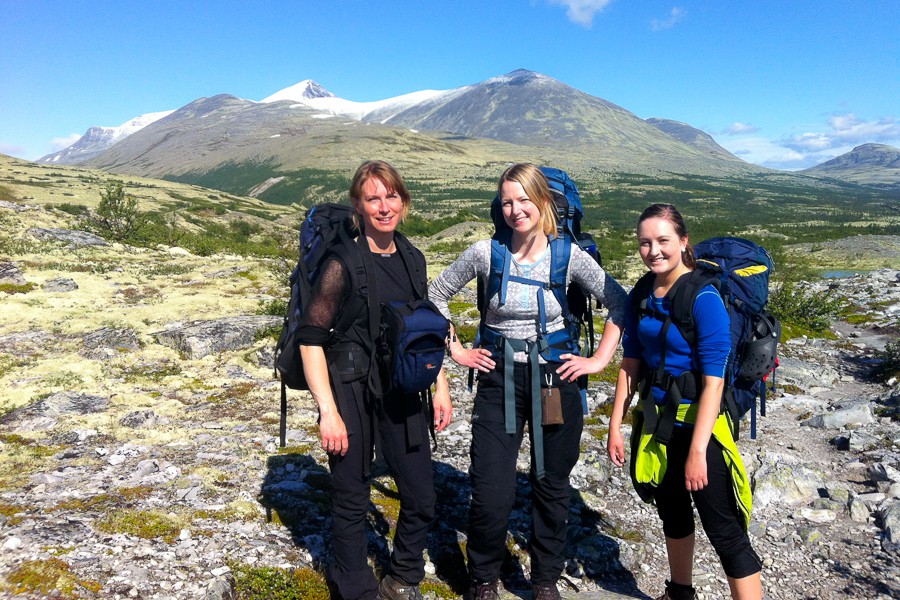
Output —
(443, 409)
(575, 366)
(695, 471)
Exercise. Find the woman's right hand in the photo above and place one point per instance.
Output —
(333, 434)
(475, 358)
(615, 445)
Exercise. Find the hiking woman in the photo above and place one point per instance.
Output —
(513, 379)
(700, 460)
(337, 368)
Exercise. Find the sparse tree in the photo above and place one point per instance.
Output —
(117, 214)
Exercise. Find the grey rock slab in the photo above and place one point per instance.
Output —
(72, 237)
(60, 284)
(858, 414)
(197, 339)
(890, 526)
(10, 274)
(804, 374)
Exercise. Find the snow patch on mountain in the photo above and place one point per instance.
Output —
(311, 94)
(98, 138)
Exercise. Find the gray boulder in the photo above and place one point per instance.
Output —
(854, 415)
(45, 414)
(73, 237)
(10, 274)
(806, 375)
(890, 526)
(61, 284)
(202, 338)
(786, 484)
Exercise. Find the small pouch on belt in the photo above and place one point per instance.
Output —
(551, 403)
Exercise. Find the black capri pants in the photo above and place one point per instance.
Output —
(716, 504)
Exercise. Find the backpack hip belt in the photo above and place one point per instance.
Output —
(659, 420)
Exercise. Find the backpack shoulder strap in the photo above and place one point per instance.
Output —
(560, 253)
(414, 261)
(681, 301)
(358, 264)
(640, 293)
(498, 273)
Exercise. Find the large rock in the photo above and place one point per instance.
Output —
(786, 484)
(73, 237)
(853, 415)
(805, 375)
(46, 413)
(202, 338)
(890, 526)
(10, 274)
(60, 284)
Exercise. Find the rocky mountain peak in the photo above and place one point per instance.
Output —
(305, 90)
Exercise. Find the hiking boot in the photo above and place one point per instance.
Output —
(484, 591)
(544, 591)
(392, 588)
(676, 591)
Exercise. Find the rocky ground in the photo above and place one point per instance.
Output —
(140, 456)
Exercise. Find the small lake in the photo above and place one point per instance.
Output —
(837, 274)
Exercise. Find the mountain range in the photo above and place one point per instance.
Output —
(522, 115)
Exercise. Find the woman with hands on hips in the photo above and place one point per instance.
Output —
(517, 383)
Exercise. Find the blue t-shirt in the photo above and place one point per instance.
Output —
(712, 325)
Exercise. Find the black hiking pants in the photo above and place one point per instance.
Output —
(494, 455)
(716, 504)
(412, 471)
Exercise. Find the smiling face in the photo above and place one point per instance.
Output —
(661, 248)
(519, 212)
(380, 209)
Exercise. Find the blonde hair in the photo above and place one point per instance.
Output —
(536, 188)
(386, 174)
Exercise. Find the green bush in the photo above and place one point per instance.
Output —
(79, 210)
(117, 215)
(803, 308)
(890, 362)
(271, 583)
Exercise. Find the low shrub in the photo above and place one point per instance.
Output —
(890, 362)
(794, 305)
(272, 583)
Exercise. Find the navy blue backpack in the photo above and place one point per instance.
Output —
(412, 344)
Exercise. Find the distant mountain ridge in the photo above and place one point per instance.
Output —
(877, 164)
(690, 135)
(519, 116)
(97, 139)
(521, 107)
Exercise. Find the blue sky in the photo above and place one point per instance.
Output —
(786, 84)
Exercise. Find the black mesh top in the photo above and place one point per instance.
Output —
(331, 294)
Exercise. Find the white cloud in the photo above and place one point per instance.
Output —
(738, 128)
(59, 143)
(767, 153)
(846, 130)
(582, 11)
(838, 135)
(11, 150)
(676, 14)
